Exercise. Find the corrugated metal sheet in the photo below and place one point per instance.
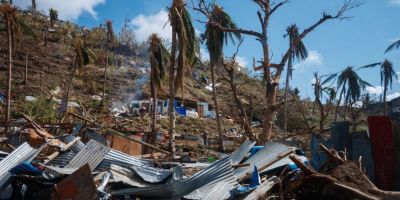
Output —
(318, 157)
(214, 188)
(215, 192)
(240, 153)
(121, 159)
(396, 141)
(380, 129)
(151, 174)
(340, 136)
(218, 171)
(93, 153)
(361, 145)
(65, 157)
(23, 153)
(270, 152)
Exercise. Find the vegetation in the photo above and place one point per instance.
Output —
(215, 39)
(185, 44)
(159, 57)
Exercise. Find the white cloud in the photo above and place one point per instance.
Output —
(145, 25)
(394, 2)
(392, 96)
(242, 61)
(376, 91)
(67, 9)
(314, 59)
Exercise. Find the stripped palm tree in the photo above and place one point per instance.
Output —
(158, 57)
(15, 27)
(33, 6)
(185, 42)
(110, 39)
(351, 86)
(319, 89)
(83, 57)
(53, 16)
(387, 75)
(395, 45)
(215, 39)
(300, 52)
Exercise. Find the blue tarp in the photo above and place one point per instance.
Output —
(318, 157)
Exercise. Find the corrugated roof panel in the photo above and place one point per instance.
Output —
(381, 132)
(267, 154)
(23, 153)
(93, 153)
(396, 141)
(151, 174)
(220, 170)
(361, 146)
(121, 159)
(240, 153)
(340, 136)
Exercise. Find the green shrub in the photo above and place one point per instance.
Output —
(42, 110)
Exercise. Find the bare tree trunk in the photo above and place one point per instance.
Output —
(26, 69)
(384, 99)
(70, 86)
(9, 80)
(45, 35)
(171, 108)
(286, 94)
(322, 115)
(104, 80)
(151, 138)
(246, 122)
(214, 93)
(338, 104)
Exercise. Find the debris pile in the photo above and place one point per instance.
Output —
(68, 167)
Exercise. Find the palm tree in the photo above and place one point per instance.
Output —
(395, 45)
(15, 27)
(387, 75)
(53, 16)
(159, 57)
(33, 5)
(320, 88)
(215, 39)
(351, 86)
(110, 40)
(300, 52)
(185, 42)
(83, 57)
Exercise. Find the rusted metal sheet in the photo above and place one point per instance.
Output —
(396, 141)
(78, 186)
(361, 146)
(380, 129)
(93, 153)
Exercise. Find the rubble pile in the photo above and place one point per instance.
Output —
(65, 166)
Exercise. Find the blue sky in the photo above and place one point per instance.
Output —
(332, 47)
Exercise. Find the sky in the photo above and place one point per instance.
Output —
(332, 47)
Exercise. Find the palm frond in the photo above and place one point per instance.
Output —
(370, 65)
(329, 78)
(395, 45)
